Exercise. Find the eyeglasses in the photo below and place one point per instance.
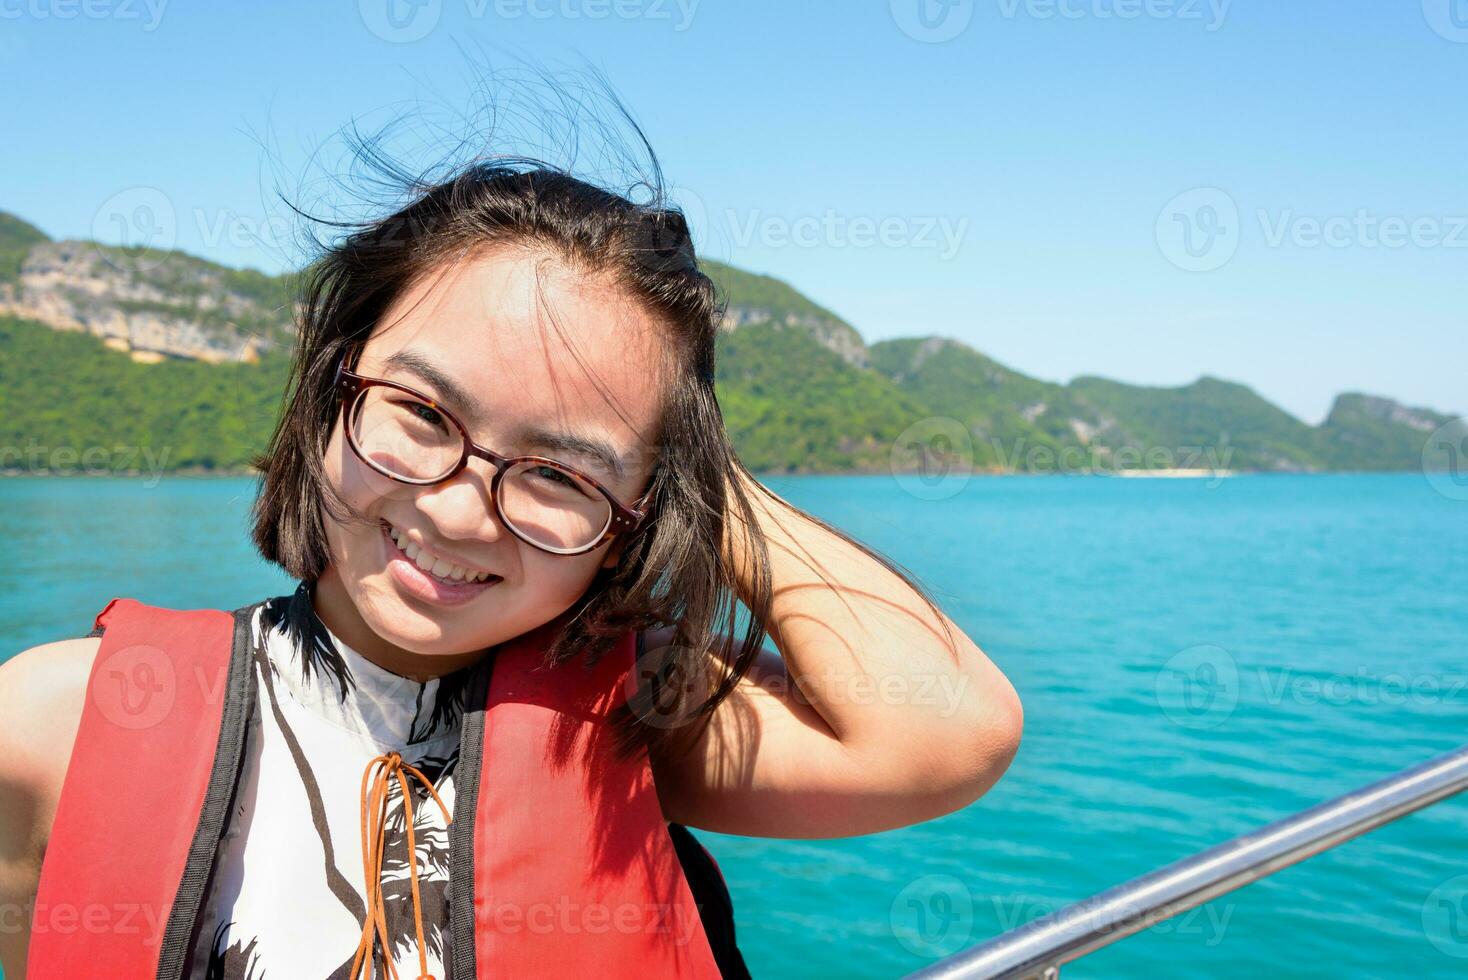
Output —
(408, 437)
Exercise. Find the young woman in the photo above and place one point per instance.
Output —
(512, 671)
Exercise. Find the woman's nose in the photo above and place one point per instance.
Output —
(463, 508)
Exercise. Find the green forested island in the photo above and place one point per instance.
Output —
(135, 360)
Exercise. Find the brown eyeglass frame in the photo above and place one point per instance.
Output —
(349, 387)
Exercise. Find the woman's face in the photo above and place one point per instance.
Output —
(485, 322)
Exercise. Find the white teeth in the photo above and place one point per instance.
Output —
(432, 564)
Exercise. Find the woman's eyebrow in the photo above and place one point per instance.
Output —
(415, 363)
(446, 387)
(565, 442)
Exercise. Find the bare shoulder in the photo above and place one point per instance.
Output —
(42, 693)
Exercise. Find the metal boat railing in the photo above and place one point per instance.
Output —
(1039, 948)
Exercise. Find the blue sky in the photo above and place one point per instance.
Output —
(1148, 190)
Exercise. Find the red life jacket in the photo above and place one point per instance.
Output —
(561, 863)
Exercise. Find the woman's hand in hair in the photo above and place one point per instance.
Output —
(876, 712)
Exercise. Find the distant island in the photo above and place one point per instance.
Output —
(132, 360)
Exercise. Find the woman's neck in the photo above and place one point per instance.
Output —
(335, 608)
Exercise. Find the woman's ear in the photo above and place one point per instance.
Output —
(614, 553)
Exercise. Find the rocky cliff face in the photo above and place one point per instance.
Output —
(150, 304)
(831, 334)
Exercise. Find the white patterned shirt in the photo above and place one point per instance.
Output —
(287, 897)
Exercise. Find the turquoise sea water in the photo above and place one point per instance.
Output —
(1195, 659)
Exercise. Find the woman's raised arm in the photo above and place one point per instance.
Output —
(877, 713)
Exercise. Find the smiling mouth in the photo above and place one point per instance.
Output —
(431, 566)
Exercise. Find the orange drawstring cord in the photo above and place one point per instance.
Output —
(374, 837)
